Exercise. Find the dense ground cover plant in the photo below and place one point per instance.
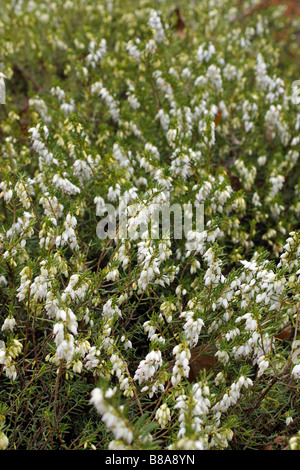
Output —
(176, 343)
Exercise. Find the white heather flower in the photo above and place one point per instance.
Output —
(9, 324)
(219, 379)
(65, 349)
(164, 119)
(25, 284)
(148, 366)
(181, 368)
(24, 192)
(53, 209)
(133, 101)
(205, 53)
(262, 160)
(231, 334)
(3, 441)
(192, 327)
(277, 183)
(6, 192)
(288, 420)
(213, 74)
(68, 235)
(96, 53)
(77, 367)
(40, 106)
(232, 395)
(188, 444)
(118, 367)
(116, 445)
(114, 193)
(113, 275)
(100, 205)
(83, 169)
(58, 93)
(156, 24)
(192, 408)
(296, 371)
(91, 360)
(149, 328)
(263, 364)
(111, 416)
(65, 185)
(110, 310)
(68, 108)
(133, 50)
(2, 88)
(230, 72)
(128, 345)
(222, 356)
(3, 281)
(110, 101)
(151, 47)
(163, 415)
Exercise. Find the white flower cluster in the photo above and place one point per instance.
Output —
(109, 100)
(193, 408)
(163, 415)
(148, 118)
(111, 416)
(96, 52)
(38, 145)
(7, 356)
(232, 396)
(119, 369)
(192, 327)
(6, 191)
(53, 209)
(3, 441)
(181, 367)
(24, 191)
(156, 24)
(148, 367)
(63, 183)
(68, 235)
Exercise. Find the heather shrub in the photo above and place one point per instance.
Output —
(134, 341)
